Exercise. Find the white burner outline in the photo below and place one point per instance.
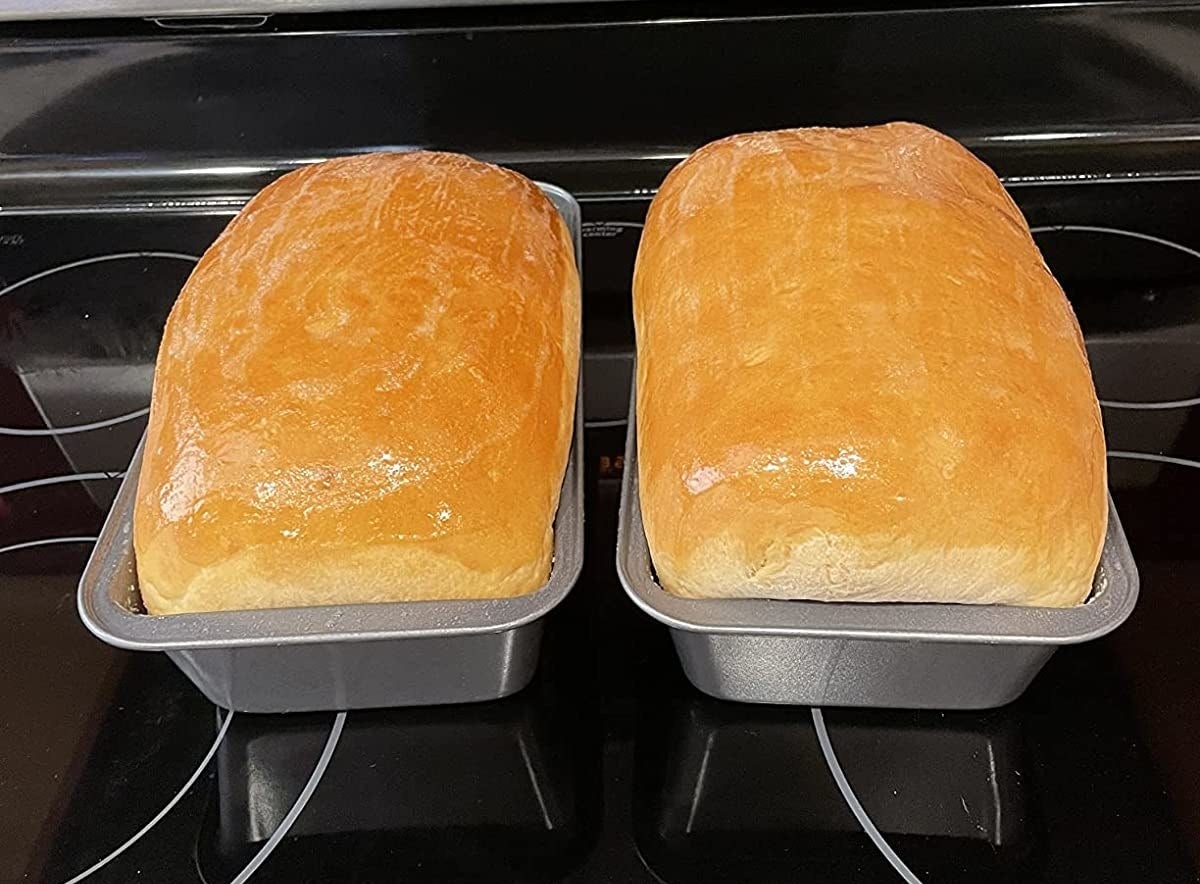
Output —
(839, 775)
(335, 734)
(154, 820)
(71, 265)
(61, 480)
(46, 541)
(285, 825)
(74, 428)
(95, 259)
(1155, 458)
(55, 480)
(281, 831)
(1161, 405)
(860, 812)
(1152, 405)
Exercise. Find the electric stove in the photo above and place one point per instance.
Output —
(125, 146)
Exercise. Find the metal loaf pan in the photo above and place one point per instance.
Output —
(909, 656)
(343, 656)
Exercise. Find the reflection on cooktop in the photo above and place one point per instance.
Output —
(132, 712)
(728, 792)
(1123, 282)
(1137, 296)
(80, 338)
(465, 792)
(748, 791)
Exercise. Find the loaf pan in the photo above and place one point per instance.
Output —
(909, 656)
(342, 656)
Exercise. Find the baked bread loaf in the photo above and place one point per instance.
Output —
(365, 393)
(858, 381)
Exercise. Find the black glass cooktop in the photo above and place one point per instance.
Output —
(123, 152)
(610, 767)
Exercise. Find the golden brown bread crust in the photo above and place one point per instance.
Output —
(857, 380)
(365, 392)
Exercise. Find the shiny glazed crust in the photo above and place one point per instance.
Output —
(365, 393)
(858, 381)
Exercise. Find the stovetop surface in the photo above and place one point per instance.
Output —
(610, 767)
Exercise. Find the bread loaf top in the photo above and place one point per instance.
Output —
(858, 380)
(365, 392)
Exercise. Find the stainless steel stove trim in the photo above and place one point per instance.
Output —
(256, 12)
(221, 184)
